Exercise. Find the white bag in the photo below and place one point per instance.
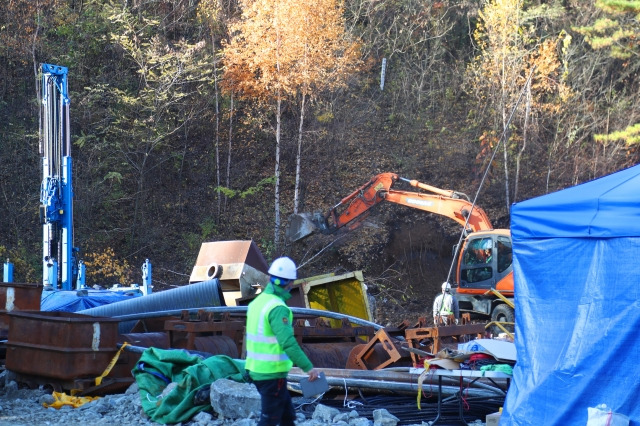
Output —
(603, 416)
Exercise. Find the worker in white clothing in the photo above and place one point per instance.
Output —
(445, 307)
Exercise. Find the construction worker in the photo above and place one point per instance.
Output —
(445, 306)
(271, 346)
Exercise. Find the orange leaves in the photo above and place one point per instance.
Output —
(22, 21)
(548, 82)
(286, 47)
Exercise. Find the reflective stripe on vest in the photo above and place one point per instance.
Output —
(446, 302)
(264, 354)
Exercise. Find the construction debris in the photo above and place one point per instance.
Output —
(107, 350)
(23, 407)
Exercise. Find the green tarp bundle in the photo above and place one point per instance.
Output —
(158, 368)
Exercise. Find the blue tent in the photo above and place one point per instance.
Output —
(577, 295)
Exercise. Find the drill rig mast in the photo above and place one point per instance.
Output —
(56, 192)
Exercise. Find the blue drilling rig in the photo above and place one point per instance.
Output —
(59, 263)
(61, 268)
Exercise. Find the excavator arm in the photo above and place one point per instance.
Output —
(351, 211)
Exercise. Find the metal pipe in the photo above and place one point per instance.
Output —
(397, 374)
(342, 382)
(141, 349)
(8, 272)
(390, 382)
(240, 309)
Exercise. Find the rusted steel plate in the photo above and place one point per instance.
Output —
(318, 329)
(216, 345)
(60, 345)
(432, 337)
(146, 340)
(353, 362)
(328, 355)
(382, 351)
(17, 297)
(237, 264)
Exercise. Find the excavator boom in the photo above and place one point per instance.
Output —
(351, 211)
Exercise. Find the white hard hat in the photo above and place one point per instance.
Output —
(446, 286)
(283, 267)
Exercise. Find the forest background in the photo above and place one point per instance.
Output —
(210, 120)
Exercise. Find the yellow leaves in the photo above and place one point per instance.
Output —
(499, 37)
(617, 32)
(500, 21)
(510, 51)
(104, 265)
(604, 24)
(630, 135)
(208, 11)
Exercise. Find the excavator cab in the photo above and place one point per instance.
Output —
(485, 261)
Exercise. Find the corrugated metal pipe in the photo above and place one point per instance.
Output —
(208, 293)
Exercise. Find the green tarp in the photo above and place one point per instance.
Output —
(159, 367)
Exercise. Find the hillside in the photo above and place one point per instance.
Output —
(170, 151)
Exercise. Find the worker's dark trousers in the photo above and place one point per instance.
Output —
(277, 408)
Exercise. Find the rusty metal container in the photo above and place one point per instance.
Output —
(60, 345)
(17, 297)
(238, 265)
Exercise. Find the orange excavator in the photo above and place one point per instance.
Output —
(484, 260)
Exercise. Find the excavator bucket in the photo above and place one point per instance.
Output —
(302, 225)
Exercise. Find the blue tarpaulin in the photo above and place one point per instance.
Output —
(577, 296)
(73, 301)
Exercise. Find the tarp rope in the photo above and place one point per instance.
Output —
(421, 378)
(111, 364)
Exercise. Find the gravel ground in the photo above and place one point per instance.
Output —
(23, 407)
(20, 407)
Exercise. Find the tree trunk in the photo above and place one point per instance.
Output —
(217, 136)
(228, 181)
(296, 197)
(524, 142)
(35, 74)
(276, 231)
(505, 133)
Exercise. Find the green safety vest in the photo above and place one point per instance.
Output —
(264, 353)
